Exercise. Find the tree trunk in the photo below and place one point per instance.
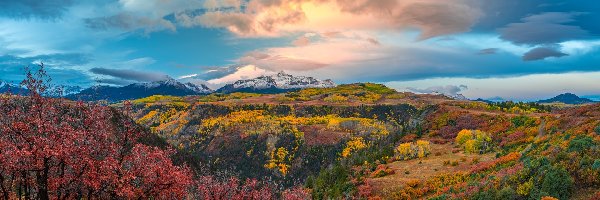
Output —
(4, 190)
(42, 180)
(26, 191)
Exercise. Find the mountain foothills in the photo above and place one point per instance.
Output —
(300, 139)
(362, 141)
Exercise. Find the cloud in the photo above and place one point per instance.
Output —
(26, 9)
(451, 90)
(488, 51)
(276, 62)
(148, 15)
(400, 58)
(213, 72)
(545, 28)
(277, 17)
(128, 22)
(130, 75)
(241, 73)
(114, 81)
(541, 53)
(301, 41)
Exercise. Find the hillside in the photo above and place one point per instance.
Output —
(567, 98)
(366, 140)
(360, 140)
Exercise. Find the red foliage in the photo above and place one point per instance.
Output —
(491, 164)
(596, 196)
(365, 190)
(210, 188)
(296, 193)
(512, 138)
(409, 138)
(50, 148)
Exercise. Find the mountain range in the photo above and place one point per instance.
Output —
(140, 90)
(271, 84)
(281, 82)
(53, 91)
(12, 88)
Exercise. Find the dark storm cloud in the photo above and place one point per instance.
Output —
(545, 28)
(132, 75)
(113, 81)
(541, 53)
(499, 13)
(488, 51)
(447, 90)
(25, 9)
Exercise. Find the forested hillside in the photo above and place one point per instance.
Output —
(366, 141)
(355, 141)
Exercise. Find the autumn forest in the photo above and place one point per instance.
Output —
(355, 141)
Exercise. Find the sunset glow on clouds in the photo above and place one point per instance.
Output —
(405, 43)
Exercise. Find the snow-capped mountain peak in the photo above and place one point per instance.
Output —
(170, 82)
(278, 82)
(198, 88)
(154, 84)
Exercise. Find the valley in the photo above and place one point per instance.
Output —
(344, 142)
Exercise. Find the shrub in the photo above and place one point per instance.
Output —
(523, 121)
(548, 198)
(463, 136)
(332, 183)
(355, 144)
(507, 193)
(524, 189)
(557, 183)
(335, 98)
(407, 151)
(596, 165)
(597, 129)
(454, 163)
(413, 183)
(580, 144)
(474, 141)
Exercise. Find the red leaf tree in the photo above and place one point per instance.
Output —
(56, 149)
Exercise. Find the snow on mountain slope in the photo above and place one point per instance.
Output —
(197, 88)
(280, 82)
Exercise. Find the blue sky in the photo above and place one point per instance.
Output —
(518, 50)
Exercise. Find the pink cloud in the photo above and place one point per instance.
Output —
(276, 17)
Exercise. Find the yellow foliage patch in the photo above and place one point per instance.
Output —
(353, 145)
